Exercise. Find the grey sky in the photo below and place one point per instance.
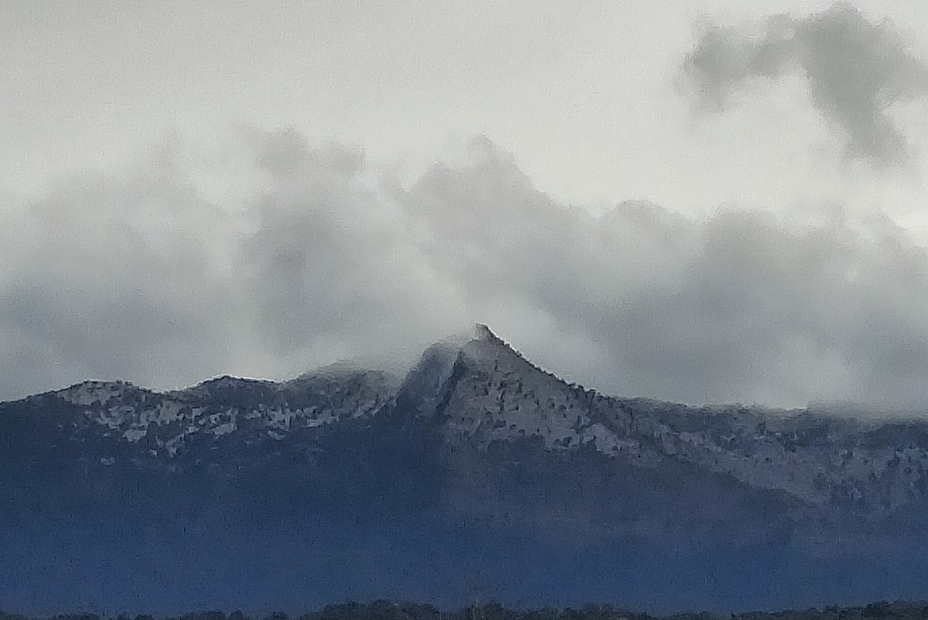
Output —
(197, 188)
(855, 70)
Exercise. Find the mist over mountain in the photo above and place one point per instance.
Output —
(681, 204)
(477, 465)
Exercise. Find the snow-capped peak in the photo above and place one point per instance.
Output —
(483, 332)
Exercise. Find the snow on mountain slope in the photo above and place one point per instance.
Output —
(499, 395)
(482, 391)
(164, 422)
(494, 394)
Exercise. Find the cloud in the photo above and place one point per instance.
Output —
(855, 70)
(316, 255)
(337, 262)
(111, 276)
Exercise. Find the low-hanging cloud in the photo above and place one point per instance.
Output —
(150, 276)
(855, 70)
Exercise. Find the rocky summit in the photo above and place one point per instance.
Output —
(477, 462)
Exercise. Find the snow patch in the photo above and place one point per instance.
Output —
(133, 435)
(91, 393)
(224, 429)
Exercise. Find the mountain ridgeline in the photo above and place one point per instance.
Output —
(351, 482)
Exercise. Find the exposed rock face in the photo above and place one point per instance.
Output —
(491, 393)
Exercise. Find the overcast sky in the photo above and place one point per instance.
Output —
(696, 200)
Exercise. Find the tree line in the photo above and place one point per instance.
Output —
(388, 610)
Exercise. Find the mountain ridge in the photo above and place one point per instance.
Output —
(483, 391)
(475, 453)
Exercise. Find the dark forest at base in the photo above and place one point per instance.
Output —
(387, 610)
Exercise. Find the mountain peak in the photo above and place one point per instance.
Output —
(487, 347)
(488, 343)
(483, 332)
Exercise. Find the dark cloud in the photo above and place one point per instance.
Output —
(142, 277)
(335, 261)
(855, 70)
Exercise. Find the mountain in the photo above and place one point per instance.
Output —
(477, 466)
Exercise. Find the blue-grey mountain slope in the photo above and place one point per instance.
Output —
(347, 482)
